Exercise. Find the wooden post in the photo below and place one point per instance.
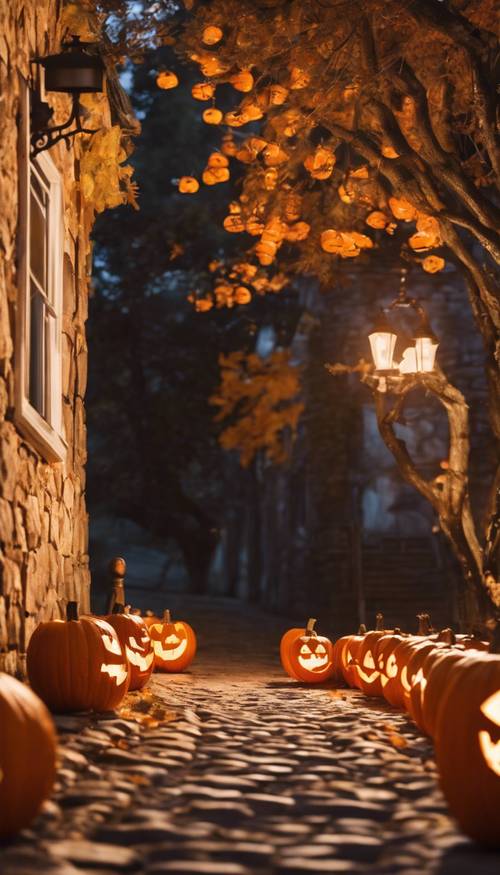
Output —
(117, 570)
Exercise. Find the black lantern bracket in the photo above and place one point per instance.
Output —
(78, 69)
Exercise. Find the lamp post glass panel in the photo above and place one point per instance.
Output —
(382, 343)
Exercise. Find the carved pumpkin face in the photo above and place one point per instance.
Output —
(368, 673)
(306, 656)
(174, 644)
(467, 744)
(78, 665)
(136, 642)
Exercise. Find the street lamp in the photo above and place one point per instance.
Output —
(419, 354)
(382, 342)
(77, 69)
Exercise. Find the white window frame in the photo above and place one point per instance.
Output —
(45, 433)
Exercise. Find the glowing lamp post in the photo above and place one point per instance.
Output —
(418, 357)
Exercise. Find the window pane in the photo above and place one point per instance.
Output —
(38, 235)
(37, 359)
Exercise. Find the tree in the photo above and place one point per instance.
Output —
(362, 121)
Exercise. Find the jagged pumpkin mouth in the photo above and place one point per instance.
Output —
(118, 672)
(170, 653)
(139, 661)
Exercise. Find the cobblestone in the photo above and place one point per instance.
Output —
(251, 774)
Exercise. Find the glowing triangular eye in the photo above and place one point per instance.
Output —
(320, 649)
(133, 643)
(391, 668)
(112, 644)
(305, 650)
(491, 708)
(368, 660)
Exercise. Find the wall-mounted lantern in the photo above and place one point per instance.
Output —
(77, 69)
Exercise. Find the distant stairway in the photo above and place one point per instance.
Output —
(402, 577)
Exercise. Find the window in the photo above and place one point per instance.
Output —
(38, 335)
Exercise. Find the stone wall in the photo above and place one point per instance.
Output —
(43, 519)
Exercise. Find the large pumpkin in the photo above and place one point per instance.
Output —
(467, 743)
(174, 644)
(136, 642)
(309, 656)
(78, 664)
(27, 755)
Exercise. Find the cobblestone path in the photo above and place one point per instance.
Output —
(241, 771)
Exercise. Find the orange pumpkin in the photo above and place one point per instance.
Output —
(242, 81)
(212, 116)
(384, 658)
(212, 35)
(439, 669)
(310, 655)
(368, 675)
(467, 744)
(136, 642)
(346, 652)
(174, 644)
(77, 664)
(27, 755)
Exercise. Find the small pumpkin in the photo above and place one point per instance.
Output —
(368, 674)
(345, 655)
(174, 644)
(77, 664)
(27, 755)
(467, 745)
(310, 656)
(136, 642)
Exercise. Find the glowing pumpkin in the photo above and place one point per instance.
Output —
(134, 637)
(174, 644)
(285, 642)
(346, 655)
(385, 659)
(368, 675)
(27, 755)
(310, 655)
(78, 664)
(438, 669)
(467, 744)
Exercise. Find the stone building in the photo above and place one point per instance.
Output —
(48, 204)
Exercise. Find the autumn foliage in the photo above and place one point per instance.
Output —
(258, 404)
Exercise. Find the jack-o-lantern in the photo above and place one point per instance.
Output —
(166, 80)
(309, 655)
(27, 755)
(345, 655)
(467, 744)
(439, 669)
(367, 673)
(136, 642)
(212, 116)
(386, 661)
(416, 675)
(77, 664)
(174, 644)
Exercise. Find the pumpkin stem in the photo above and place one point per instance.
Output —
(447, 636)
(167, 617)
(362, 629)
(310, 626)
(72, 611)
(379, 625)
